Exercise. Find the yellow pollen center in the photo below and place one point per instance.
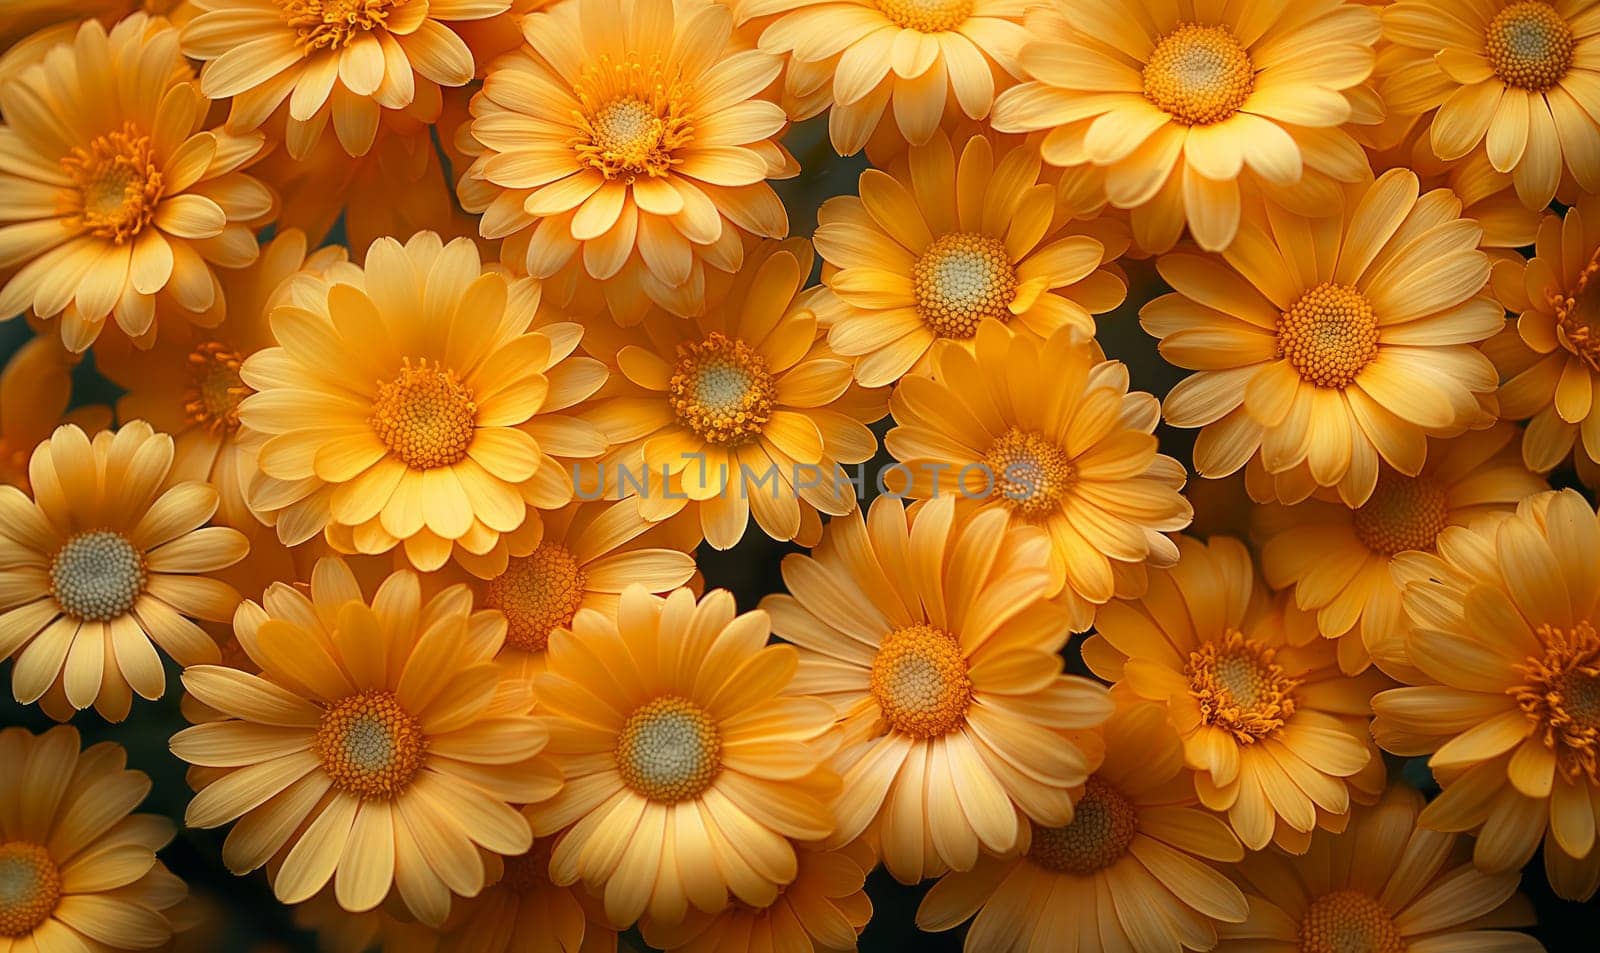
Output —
(1578, 315)
(669, 750)
(927, 16)
(1403, 513)
(920, 682)
(1561, 697)
(538, 593)
(632, 118)
(333, 24)
(117, 184)
(1199, 74)
(961, 279)
(1030, 472)
(30, 888)
(369, 745)
(1103, 824)
(1529, 45)
(1329, 335)
(721, 389)
(215, 388)
(424, 416)
(97, 576)
(1348, 921)
(1240, 688)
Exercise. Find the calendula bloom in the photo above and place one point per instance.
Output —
(935, 641)
(1190, 108)
(673, 726)
(358, 755)
(522, 911)
(1385, 884)
(1136, 841)
(1340, 560)
(80, 870)
(628, 143)
(928, 253)
(119, 200)
(1276, 734)
(1047, 433)
(35, 388)
(1516, 75)
(1315, 362)
(413, 403)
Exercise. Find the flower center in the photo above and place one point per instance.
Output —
(333, 24)
(919, 679)
(1561, 696)
(1240, 688)
(97, 576)
(424, 416)
(1348, 921)
(1198, 74)
(927, 16)
(722, 390)
(1030, 472)
(633, 118)
(30, 888)
(215, 388)
(369, 745)
(1403, 513)
(538, 593)
(117, 184)
(1578, 315)
(960, 280)
(669, 750)
(527, 873)
(1329, 335)
(1102, 827)
(1528, 44)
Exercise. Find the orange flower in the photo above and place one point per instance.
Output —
(35, 388)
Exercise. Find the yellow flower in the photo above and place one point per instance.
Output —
(1487, 196)
(936, 643)
(80, 871)
(1047, 433)
(521, 911)
(927, 253)
(381, 746)
(35, 388)
(1277, 734)
(1191, 108)
(340, 931)
(627, 145)
(29, 28)
(1384, 884)
(1321, 352)
(1339, 560)
(117, 195)
(413, 402)
(1135, 869)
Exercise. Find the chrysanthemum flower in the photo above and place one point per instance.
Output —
(628, 144)
(413, 402)
(927, 253)
(111, 554)
(79, 871)
(1339, 560)
(522, 911)
(935, 641)
(1518, 76)
(1048, 433)
(689, 769)
(743, 412)
(1277, 734)
(35, 388)
(1319, 356)
(1190, 106)
(116, 193)
(348, 60)
(1137, 842)
(380, 746)
(1385, 884)
(1504, 633)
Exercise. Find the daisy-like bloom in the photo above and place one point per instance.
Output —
(78, 871)
(412, 402)
(1322, 348)
(111, 554)
(119, 201)
(35, 388)
(628, 144)
(689, 768)
(381, 928)
(522, 911)
(1276, 734)
(1190, 107)
(348, 60)
(1136, 841)
(1339, 560)
(1047, 433)
(742, 412)
(380, 745)
(1487, 196)
(936, 642)
(927, 253)
(1386, 884)
(29, 28)
(1518, 76)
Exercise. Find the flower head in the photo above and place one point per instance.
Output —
(523, 911)
(35, 389)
